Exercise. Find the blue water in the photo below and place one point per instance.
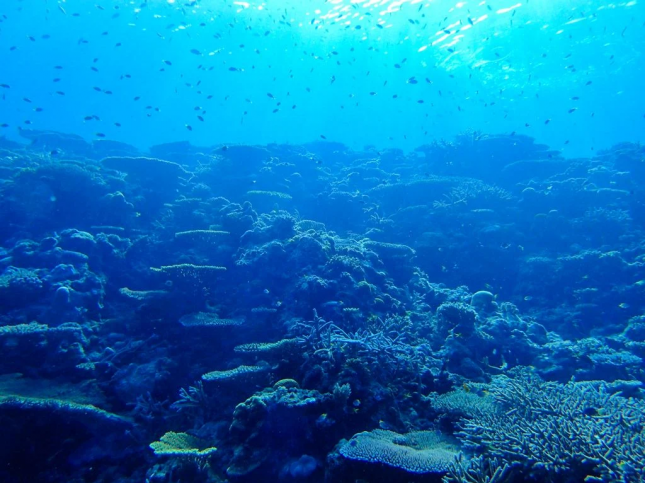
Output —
(502, 65)
(322, 241)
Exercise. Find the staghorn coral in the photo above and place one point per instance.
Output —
(477, 470)
(415, 452)
(578, 428)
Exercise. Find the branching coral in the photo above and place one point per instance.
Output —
(575, 428)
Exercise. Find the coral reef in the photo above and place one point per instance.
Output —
(471, 311)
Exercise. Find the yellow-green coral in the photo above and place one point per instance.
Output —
(181, 445)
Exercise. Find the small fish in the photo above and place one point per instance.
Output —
(333, 303)
(322, 136)
(5, 86)
(189, 127)
(99, 135)
(572, 110)
(195, 52)
(271, 96)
